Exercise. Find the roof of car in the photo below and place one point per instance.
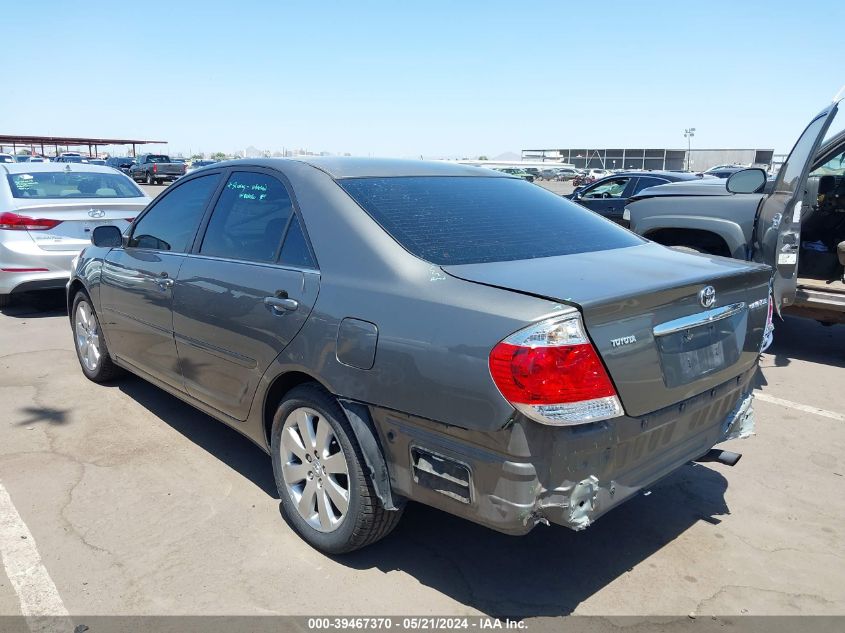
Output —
(28, 168)
(669, 175)
(349, 167)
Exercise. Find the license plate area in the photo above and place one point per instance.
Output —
(700, 350)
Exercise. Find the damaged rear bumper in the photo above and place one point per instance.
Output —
(529, 473)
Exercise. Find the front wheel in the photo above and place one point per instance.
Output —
(319, 470)
(89, 342)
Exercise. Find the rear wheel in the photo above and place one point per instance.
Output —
(150, 179)
(89, 342)
(326, 495)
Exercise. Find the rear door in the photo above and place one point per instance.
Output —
(777, 234)
(244, 292)
(138, 280)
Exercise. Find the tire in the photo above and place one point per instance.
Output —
(87, 335)
(315, 480)
(150, 179)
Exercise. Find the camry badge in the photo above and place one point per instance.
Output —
(96, 213)
(707, 296)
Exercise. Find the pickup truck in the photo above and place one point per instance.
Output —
(154, 169)
(794, 222)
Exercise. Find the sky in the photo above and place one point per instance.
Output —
(433, 78)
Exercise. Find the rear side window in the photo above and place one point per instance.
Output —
(644, 182)
(470, 220)
(249, 219)
(172, 223)
(295, 251)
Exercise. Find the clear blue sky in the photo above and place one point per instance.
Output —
(429, 78)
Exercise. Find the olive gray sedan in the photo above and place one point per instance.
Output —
(391, 330)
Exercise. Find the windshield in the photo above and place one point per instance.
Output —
(63, 184)
(461, 220)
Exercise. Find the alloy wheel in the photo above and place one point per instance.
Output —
(315, 469)
(87, 332)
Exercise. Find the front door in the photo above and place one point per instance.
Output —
(244, 292)
(606, 197)
(777, 234)
(138, 281)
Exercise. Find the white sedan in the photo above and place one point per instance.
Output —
(47, 214)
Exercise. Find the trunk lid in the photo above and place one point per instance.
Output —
(78, 220)
(642, 309)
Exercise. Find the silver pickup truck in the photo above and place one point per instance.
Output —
(154, 169)
(794, 222)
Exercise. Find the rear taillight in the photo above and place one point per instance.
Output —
(15, 222)
(551, 373)
(155, 168)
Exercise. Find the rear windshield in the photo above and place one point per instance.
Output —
(470, 220)
(64, 184)
(158, 158)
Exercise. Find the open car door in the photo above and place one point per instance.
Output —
(777, 235)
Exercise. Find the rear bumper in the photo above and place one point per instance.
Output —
(531, 473)
(26, 254)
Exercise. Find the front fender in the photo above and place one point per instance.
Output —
(726, 229)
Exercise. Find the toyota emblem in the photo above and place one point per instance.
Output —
(707, 296)
(96, 213)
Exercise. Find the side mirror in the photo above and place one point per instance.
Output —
(749, 180)
(107, 236)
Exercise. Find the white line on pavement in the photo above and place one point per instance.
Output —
(40, 600)
(799, 407)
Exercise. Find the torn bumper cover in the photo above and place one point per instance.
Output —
(531, 473)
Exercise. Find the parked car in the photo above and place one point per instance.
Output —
(47, 213)
(121, 163)
(390, 330)
(154, 169)
(519, 173)
(22, 158)
(795, 223)
(70, 158)
(38, 159)
(96, 161)
(559, 173)
(609, 195)
(598, 173)
(199, 163)
(7, 158)
(722, 171)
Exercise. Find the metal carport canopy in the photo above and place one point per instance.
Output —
(56, 141)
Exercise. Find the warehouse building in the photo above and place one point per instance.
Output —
(655, 159)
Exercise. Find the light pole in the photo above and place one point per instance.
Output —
(688, 134)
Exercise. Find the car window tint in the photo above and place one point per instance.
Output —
(295, 250)
(172, 223)
(648, 181)
(249, 219)
(467, 220)
(611, 188)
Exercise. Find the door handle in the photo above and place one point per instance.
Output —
(278, 305)
(164, 281)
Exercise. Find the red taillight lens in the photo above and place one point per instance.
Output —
(553, 374)
(155, 168)
(15, 222)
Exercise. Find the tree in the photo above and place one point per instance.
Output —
(197, 156)
(218, 156)
(482, 157)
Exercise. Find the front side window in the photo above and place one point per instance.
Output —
(612, 188)
(72, 184)
(249, 219)
(171, 224)
(790, 172)
(469, 220)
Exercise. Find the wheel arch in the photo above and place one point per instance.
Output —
(359, 418)
(75, 286)
(726, 235)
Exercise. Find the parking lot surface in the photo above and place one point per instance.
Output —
(138, 504)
